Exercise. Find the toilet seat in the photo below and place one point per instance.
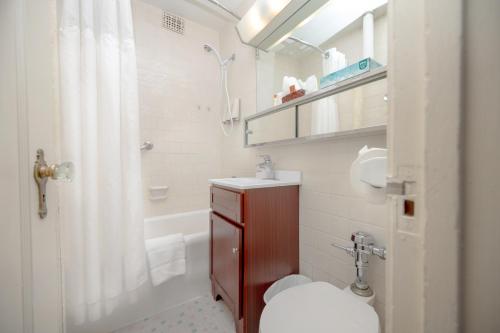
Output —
(318, 307)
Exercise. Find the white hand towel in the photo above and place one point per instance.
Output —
(166, 257)
(310, 85)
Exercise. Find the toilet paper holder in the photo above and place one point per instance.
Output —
(369, 174)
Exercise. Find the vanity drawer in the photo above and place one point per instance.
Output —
(227, 203)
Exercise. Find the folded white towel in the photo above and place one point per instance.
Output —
(166, 257)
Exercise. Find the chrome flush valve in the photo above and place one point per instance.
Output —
(364, 246)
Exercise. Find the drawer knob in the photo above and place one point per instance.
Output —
(235, 250)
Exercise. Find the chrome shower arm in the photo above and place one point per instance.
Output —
(317, 48)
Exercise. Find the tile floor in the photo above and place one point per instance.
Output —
(201, 315)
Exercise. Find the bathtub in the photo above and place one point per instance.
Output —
(195, 228)
(149, 299)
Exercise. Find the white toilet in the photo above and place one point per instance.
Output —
(318, 307)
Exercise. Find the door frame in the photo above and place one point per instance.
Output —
(424, 137)
(37, 110)
(23, 163)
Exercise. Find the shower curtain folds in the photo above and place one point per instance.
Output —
(101, 211)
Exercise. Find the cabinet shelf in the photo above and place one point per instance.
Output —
(345, 134)
(345, 85)
(348, 84)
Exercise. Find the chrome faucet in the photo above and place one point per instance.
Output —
(265, 169)
(364, 246)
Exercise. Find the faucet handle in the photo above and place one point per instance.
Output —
(267, 161)
(381, 252)
(349, 250)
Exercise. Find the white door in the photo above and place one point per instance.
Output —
(30, 279)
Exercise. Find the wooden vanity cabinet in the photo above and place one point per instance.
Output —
(254, 241)
(226, 244)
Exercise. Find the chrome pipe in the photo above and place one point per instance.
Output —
(224, 8)
(361, 251)
(317, 48)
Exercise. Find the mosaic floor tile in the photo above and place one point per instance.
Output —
(201, 315)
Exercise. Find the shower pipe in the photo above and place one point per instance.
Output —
(317, 48)
(223, 63)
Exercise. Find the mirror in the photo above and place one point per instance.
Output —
(278, 126)
(361, 107)
(343, 40)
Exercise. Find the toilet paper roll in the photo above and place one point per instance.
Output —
(371, 193)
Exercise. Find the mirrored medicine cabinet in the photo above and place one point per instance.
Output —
(324, 77)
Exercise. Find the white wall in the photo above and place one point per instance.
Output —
(237, 161)
(330, 211)
(481, 234)
(180, 101)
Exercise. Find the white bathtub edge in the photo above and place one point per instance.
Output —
(162, 218)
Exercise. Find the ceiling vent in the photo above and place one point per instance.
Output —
(173, 23)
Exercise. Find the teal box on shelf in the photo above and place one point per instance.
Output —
(360, 67)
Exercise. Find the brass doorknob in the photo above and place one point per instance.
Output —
(42, 172)
(63, 171)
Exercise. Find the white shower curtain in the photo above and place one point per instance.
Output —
(325, 116)
(101, 211)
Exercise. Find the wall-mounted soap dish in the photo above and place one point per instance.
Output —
(158, 193)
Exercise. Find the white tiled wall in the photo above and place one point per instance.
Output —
(180, 98)
(330, 211)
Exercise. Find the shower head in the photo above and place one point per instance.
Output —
(207, 47)
(222, 62)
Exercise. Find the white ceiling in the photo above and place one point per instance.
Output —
(202, 11)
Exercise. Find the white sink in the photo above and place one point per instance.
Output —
(283, 178)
